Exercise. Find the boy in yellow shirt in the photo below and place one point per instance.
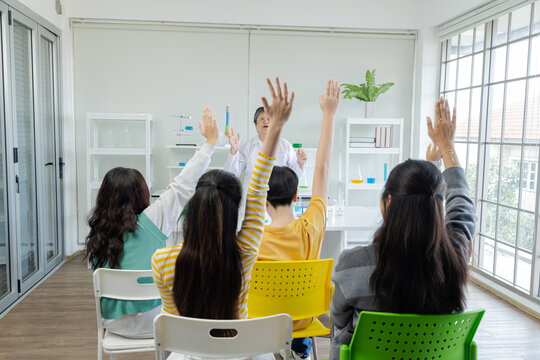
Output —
(287, 238)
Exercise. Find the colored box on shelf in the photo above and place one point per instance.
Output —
(371, 180)
(296, 145)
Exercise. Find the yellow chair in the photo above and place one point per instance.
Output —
(299, 288)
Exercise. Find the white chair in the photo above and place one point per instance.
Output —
(121, 285)
(193, 337)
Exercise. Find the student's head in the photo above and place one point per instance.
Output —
(123, 195)
(262, 121)
(419, 268)
(283, 185)
(208, 278)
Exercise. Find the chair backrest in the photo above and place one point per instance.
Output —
(125, 284)
(298, 288)
(395, 336)
(195, 337)
(122, 285)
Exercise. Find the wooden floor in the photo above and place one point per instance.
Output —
(57, 320)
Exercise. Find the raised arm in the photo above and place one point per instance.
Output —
(460, 210)
(250, 235)
(329, 102)
(279, 112)
(166, 210)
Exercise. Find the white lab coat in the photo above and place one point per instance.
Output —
(244, 160)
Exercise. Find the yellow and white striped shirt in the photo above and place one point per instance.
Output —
(248, 241)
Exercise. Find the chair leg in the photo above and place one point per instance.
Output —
(315, 353)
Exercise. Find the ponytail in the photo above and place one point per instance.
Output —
(208, 273)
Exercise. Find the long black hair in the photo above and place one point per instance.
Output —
(208, 271)
(419, 269)
(123, 195)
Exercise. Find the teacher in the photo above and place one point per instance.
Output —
(242, 158)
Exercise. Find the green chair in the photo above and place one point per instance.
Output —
(408, 336)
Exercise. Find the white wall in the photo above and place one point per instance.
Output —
(423, 15)
(47, 9)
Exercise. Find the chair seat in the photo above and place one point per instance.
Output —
(113, 342)
(315, 329)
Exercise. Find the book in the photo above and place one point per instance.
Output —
(362, 139)
(383, 136)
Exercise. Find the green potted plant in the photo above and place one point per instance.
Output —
(367, 92)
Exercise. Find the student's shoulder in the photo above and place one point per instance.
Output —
(319, 201)
(359, 256)
(166, 253)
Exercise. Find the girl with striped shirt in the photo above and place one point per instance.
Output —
(208, 275)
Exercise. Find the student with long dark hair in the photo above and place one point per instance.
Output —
(418, 260)
(208, 275)
(125, 230)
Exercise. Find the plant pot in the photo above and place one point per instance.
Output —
(369, 109)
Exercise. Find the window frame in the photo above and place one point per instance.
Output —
(483, 140)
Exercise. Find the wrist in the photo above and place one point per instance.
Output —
(233, 151)
(275, 128)
(445, 147)
(329, 113)
(211, 142)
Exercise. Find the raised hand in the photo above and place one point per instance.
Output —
(208, 127)
(443, 129)
(301, 157)
(442, 132)
(432, 153)
(329, 100)
(234, 141)
(280, 108)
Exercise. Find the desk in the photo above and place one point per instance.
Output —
(354, 218)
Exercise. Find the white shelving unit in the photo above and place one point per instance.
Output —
(174, 158)
(114, 136)
(390, 155)
(370, 161)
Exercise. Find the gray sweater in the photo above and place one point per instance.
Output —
(354, 267)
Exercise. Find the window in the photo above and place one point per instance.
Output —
(491, 73)
(528, 181)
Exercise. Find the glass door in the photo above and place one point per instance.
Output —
(47, 158)
(8, 270)
(23, 50)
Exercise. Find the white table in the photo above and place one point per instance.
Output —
(354, 218)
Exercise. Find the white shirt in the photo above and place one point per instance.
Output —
(166, 210)
(244, 159)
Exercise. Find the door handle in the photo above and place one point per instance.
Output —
(49, 163)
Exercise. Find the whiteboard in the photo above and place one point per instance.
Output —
(165, 70)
